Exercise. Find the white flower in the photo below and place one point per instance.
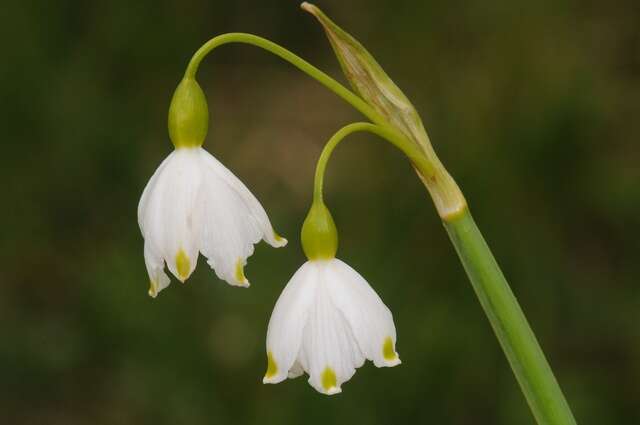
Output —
(327, 321)
(191, 205)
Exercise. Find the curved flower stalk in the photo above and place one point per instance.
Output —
(328, 319)
(193, 204)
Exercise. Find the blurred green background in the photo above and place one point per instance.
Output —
(533, 106)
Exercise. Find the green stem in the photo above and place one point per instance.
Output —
(290, 57)
(518, 341)
(410, 149)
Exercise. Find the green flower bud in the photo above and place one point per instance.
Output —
(319, 233)
(188, 115)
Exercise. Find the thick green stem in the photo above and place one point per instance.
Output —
(509, 323)
(290, 57)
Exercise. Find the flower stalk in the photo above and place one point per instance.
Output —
(288, 56)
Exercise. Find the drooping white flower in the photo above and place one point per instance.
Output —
(327, 321)
(193, 204)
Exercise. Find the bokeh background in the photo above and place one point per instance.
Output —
(533, 106)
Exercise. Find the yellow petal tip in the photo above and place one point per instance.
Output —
(239, 275)
(329, 381)
(183, 265)
(279, 239)
(153, 289)
(388, 351)
(272, 367)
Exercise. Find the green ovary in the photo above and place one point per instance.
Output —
(188, 115)
(319, 235)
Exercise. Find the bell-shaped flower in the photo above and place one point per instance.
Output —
(193, 204)
(328, 319)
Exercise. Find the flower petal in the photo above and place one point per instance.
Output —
(228, 228)
(148, 189)
(166, 211)
(256, 211)
(158, 280)
(227, 234)
(284, 334)
(370, 320)
(295, 370)
(330, 353)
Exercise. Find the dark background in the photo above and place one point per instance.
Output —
(533, 106)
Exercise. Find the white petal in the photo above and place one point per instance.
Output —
(255, 209)
(149, 188)
(330, 353)
(288, 319)
(227, 232)
(166, 211)
(370, 320)
(158, 280)
(228, 225)
(296, 370)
